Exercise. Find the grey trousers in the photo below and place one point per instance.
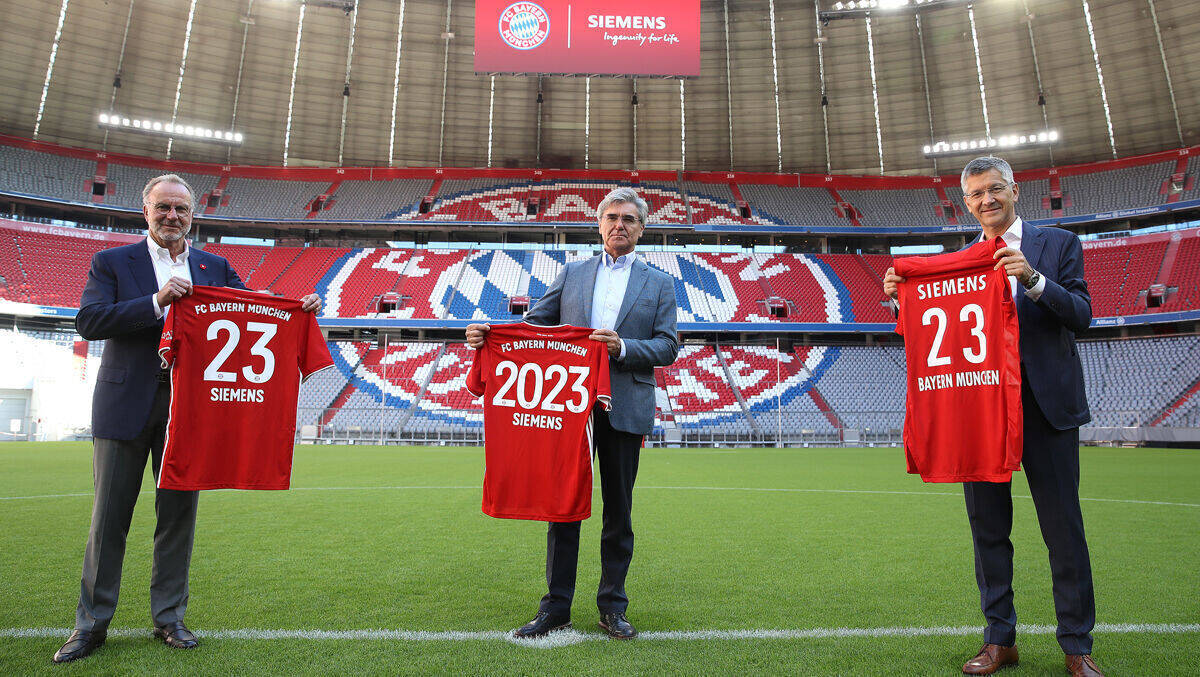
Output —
(118, 466)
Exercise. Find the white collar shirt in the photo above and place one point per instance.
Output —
(165, 268)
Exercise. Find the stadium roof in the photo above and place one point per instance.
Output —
(243, 72)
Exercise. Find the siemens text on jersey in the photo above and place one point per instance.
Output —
(235, 395)
(615, 21)
(958, 285)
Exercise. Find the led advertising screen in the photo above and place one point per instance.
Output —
(589, 37)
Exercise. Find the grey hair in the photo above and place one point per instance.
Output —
(624, 194)
(168, 178)
(981, 165)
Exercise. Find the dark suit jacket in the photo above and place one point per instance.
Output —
(1049, 325)
(646, 322)
(116, 307)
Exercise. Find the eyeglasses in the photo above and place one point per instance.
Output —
(995, 190)
(162, 209)
(627, 219)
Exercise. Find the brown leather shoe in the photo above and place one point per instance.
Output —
(1082, 666)
(991, 658)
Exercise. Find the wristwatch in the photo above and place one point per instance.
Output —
(1033, 280)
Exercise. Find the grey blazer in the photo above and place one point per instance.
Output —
(646, 322)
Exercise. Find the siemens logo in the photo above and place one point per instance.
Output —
(613, 21)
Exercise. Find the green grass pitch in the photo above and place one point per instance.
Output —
(727, 540)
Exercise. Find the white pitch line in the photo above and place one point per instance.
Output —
(569, 637)
(786, 490)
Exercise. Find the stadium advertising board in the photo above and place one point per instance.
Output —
(611, 37)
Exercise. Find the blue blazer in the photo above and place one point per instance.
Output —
(116, 308)
(646, 322)
(1048, 326)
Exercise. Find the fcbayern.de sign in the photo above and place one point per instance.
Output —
(613, 37)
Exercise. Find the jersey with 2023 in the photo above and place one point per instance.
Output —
(538, 386)
(236, 358)
(963, 420)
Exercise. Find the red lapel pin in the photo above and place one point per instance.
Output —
(203, 267)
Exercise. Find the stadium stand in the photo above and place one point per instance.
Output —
(245, 259)
(699, 392)
(866, 387)
(911, 207)
(269, 198)
(1125, 188)
(747, 290)
(1184, 276)
(1121, 396)
(125, 184)
(373, 200)
(30, 172)
(301, 275)
(55, 174)
(1119, 276)
(798, 206)
(869, 302)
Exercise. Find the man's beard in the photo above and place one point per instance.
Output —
(168, 236)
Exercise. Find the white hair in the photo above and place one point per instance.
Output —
(982, 165)
(625, 194)
(168, 178)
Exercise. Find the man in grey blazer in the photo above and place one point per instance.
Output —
(631, 306)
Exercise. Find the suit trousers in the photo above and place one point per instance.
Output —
(1051, 463)
(118, 466)
(617, 454)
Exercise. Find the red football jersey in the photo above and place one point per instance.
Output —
(962, 419)
(538, 386)
(236, 358)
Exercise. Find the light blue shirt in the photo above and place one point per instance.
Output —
(612, 279)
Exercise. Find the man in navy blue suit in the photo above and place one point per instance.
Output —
(128, 292)
(1045, 268)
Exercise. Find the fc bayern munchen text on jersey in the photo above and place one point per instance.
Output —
(237, 359)
(538, 386)
(962, 420)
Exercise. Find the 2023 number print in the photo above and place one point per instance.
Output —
(555, 377)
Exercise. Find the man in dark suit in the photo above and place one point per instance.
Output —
(128, 292)
(631, 306)
(1045, 268)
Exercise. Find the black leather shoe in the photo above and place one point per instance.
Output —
(176, 635)
(542, 624)
(80, 644)
(617, 626)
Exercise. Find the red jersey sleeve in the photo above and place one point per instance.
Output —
(167, 342)
(603, 385)
(475, 376)
(314, 352)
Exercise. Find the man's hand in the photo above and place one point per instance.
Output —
(609, 337)
(311, 303)
(890, 282)
(1014, 264)
(476, 334)
(175, 289)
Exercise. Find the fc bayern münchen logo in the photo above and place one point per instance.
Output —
(524, 25)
